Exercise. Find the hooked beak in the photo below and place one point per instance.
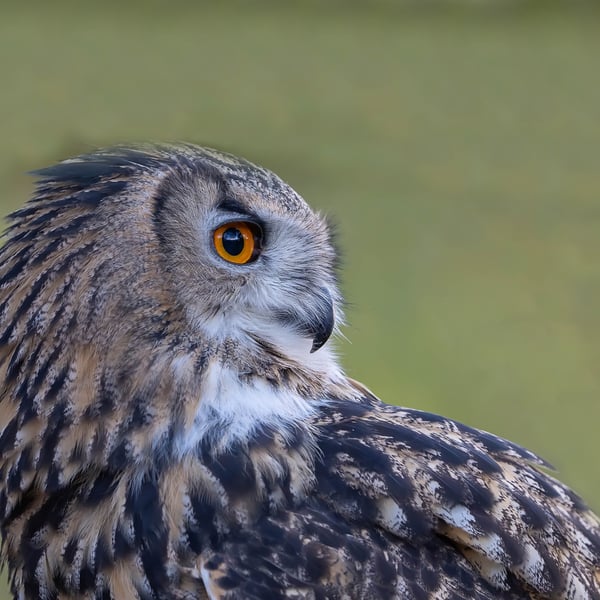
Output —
(321, 328)
(317, 324)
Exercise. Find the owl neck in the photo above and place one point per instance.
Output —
(241, 394)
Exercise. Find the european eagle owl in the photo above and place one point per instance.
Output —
(174, 423)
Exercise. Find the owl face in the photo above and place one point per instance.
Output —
(246, 265)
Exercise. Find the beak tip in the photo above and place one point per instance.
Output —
(317, 343)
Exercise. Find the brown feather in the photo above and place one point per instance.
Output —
(166, 431)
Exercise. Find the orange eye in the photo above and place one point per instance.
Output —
(238, 242)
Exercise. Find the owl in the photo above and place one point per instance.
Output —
(174, 423)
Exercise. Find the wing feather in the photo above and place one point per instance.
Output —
(315, 554)
(418, 476)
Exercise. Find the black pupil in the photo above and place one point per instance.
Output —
(233, 241)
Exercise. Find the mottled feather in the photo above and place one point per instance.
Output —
(167, 429)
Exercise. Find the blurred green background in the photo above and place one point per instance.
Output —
(456, 145)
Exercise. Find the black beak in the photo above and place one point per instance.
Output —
(323, 326)
(317, 324)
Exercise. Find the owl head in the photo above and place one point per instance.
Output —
(234, 250)
(154, 299)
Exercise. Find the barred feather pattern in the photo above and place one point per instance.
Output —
(151, 449)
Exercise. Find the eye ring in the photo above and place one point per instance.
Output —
(238, 242)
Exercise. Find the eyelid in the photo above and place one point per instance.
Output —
(241, 218)
(234, 217)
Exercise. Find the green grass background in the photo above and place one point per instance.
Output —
(456, 145)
